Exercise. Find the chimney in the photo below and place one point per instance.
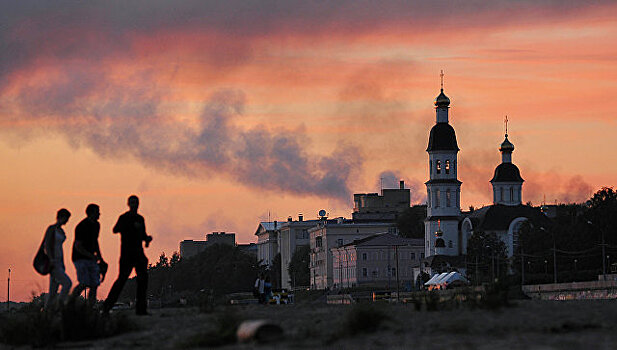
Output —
(402, 184)
(300, 217)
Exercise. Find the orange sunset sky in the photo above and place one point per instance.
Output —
(218, 113)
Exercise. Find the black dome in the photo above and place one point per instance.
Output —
(442, 138)
(507, 172)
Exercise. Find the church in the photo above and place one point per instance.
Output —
(447, 228)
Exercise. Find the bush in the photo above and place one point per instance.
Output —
(76, 321)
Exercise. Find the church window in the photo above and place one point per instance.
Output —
(448, 198)
(447, 167)
(428, 200)
(511, 194)
(438, 167)
(430, 166)
(440, 243)
(436, 198)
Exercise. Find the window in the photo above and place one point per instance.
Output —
(339, 242)
(511, 194)
(449, 244)
(436, 198)
(318, 242)
(448, 198)
(447, 167)
(430, 166)
(393, 272)
(428, 199)
(421, 255)
(413, 256)
(364, 272)
(501, 194)
(364, 257)
(438, 167)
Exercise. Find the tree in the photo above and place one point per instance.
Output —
(411, 222)
(298, 268)
(486, 255)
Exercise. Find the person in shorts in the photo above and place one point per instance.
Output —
(87, 254)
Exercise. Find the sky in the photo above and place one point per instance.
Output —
(219, 115)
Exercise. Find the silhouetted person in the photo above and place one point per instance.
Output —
(132, 229)
(87, 254)
(54, 238)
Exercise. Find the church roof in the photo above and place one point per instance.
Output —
(498, 216)
(442, 100)
(507, 172)
(442, 138)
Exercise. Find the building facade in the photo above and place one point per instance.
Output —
(384, 207)
(377, 260)
(292, 235)
(267, 242)
(335, 233)
(189, 247)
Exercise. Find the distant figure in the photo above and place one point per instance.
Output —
(256, 287)
(54, 238)
(267, 290)
(87, 254)
(260, 289)
(132, 229)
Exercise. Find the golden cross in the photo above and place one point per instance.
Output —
(506, 122)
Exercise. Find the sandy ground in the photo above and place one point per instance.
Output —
(527, 325)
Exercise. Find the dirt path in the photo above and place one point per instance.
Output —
(528, 325)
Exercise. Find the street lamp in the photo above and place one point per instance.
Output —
(546, 266)
(554, 256)
(575, 261)
(603, 249)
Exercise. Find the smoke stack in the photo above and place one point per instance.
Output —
(300, 217)
(402, 184)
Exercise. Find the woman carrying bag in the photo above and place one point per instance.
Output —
(54, 238)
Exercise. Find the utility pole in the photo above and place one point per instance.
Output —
(8, 292)
(554, 260)
(397, 273)
(522, 267)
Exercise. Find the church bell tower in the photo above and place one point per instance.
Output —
(443, 188)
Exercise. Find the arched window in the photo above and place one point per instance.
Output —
(447, 167)
(511, 194)
(440, 243)
(430, 166)
(448, 198)
(428, 200)
(436, 198)
(438, 167)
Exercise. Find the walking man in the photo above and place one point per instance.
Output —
(87, 254)
(132, 229)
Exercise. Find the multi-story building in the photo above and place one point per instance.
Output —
(292, 235)
(334, 233)
(384, 207)
(378, 260)
(267, 242)
(189, 247)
